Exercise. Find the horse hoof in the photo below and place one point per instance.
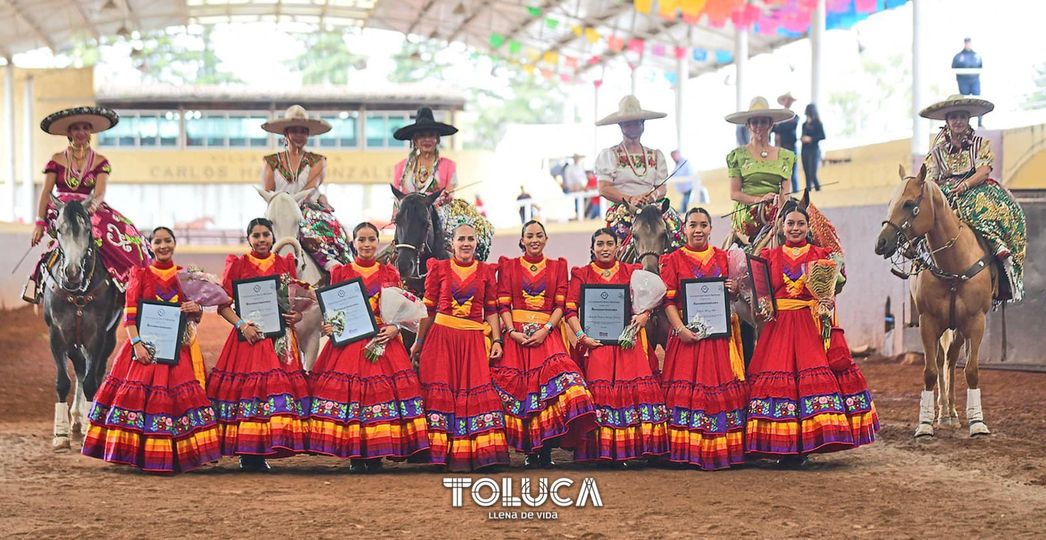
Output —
(60, 443)
(949, 421)
(979, 429)
(924, 432)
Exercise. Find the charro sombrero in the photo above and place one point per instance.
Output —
(423, 121)
(973, 105)
(295, 116)
(787, 96)
(628, 110)
(99, 118)
(759, 108)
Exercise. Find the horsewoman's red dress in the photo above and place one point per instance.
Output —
(543, 391)
(630, 409)
(800, 403)
(152, 416)
(466, 421)
(360, 408)
(261, 399)
(706, 399)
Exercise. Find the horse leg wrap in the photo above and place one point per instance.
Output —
(61, 419)
(974, 414)
(926, 414)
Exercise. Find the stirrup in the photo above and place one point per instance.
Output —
(30, 292)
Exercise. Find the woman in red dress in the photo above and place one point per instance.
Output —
(800, 403)
(546, 401)
(153, 416)
(362, 409)
(703, 378)
(261, 397)
(630, 410)
(466, 421)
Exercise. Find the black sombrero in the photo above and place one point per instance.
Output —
(423, 121)
(99, 118)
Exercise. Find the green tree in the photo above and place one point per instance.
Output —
(327, 59)
(529, 100)
(162, 57)
(1037, 99)
(419, 62)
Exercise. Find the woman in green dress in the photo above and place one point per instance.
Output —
(758, 171)
(961, 162)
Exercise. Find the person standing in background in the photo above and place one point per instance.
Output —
(969, 83)
(574, 181)
(813, 134)
(784, 133)
(683, 179)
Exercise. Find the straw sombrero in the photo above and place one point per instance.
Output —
(759, 108)
(423, 121)
(99, 118)
(973, 105)
(297, 117)
(628, 110)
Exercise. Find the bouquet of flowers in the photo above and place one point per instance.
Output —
(398, 307)
(203, 288)
(737, 263)
(337, 321)
(821, 278)
(294, 295)
(647, 290)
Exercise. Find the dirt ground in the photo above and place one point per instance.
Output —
(896, 488)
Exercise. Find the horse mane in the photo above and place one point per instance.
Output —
(76, 216)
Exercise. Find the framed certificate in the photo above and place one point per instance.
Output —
(605, 311)
(764, 305)
(349, 299)
(709, 299)
(161, 325)
(257, 300)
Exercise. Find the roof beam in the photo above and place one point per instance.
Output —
(421, 15)
(88, 22)
(40, 34)
(129, 12)
(468, 20)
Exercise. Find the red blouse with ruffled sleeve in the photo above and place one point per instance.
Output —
(533, 285)
(467, 292)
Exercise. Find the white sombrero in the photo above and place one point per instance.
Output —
(296, 117)
(628, 110)
(99, 118)
(759, 108)
(973, 105)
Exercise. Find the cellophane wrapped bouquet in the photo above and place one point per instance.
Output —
(821, 276)
(398, 307)
(647, 290)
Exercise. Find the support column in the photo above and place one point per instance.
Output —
(635, 78)
(817, 28)
(28, 212)
(10, 176)
(920, 127)
(682, 74)
(740, 63)
(595, 117)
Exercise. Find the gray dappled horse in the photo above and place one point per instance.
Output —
(82, 308)
(649, 242)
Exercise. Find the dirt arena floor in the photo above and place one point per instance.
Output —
(896, 488)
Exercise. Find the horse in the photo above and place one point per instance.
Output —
(952, 294)
(82, 308)
(419, 237)
(649, 242)
(284, 210)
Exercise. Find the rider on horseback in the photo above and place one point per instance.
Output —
(758, 171)
(632, 176)
(78, 173)
(425, 171)
(959, 161)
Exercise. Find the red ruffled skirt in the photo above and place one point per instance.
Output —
(798, 404)
(155, 417)
(466, 421)
(261, 402)
(630, 408)
(706, 404)
(364, 409)
(544, 395)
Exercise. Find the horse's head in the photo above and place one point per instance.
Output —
(74, 239)
(910, 215)
(650, 235)
(284, 211)
(417, 226)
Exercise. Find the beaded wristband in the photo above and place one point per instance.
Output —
(136, 340)
(41, 223)
(579, 333)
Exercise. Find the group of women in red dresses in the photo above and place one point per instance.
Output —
(501, 363)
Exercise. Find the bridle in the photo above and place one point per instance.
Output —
(913, 209)
(420, 252)
(80, 296)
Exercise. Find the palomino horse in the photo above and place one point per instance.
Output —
(952, 293)
(284, 211)
(419, 237)
(82, 307)
(649, 242)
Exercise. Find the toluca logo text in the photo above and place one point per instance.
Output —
(487, 492)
